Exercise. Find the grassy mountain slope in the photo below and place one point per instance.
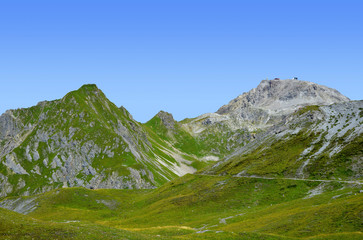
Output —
(83, 140)
(315, 142)
(211, 207)
(17, 226)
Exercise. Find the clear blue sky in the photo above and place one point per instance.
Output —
(185, 57)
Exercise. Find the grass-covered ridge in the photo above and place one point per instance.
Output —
(85, 140)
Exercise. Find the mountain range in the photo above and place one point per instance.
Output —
(288, 138)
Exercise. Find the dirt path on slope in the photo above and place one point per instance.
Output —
(284, 178)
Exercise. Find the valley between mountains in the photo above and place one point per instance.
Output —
(282, 161)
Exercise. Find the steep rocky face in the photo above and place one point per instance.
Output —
(284, 96)
(82, 140)
(273, 99)
(318, 142)
(267, 104)
(9, 126)
(167, 119)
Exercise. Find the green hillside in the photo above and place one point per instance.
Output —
(212, 207)
(315, 142)
(84, 140)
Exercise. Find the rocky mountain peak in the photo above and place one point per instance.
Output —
(167, 119)
(283, 96)
(267, 104)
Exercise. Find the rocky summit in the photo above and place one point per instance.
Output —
(278, 97)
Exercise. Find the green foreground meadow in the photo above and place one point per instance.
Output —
(194, 207)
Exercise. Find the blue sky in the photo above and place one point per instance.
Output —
(185, 57)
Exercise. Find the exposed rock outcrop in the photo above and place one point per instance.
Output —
(273, 99)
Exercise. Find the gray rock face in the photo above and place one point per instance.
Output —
(167, 119)
(9, 126)
(284, 96)
(267, 104)
(23, 206)
(273, 99)
(11, 163)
